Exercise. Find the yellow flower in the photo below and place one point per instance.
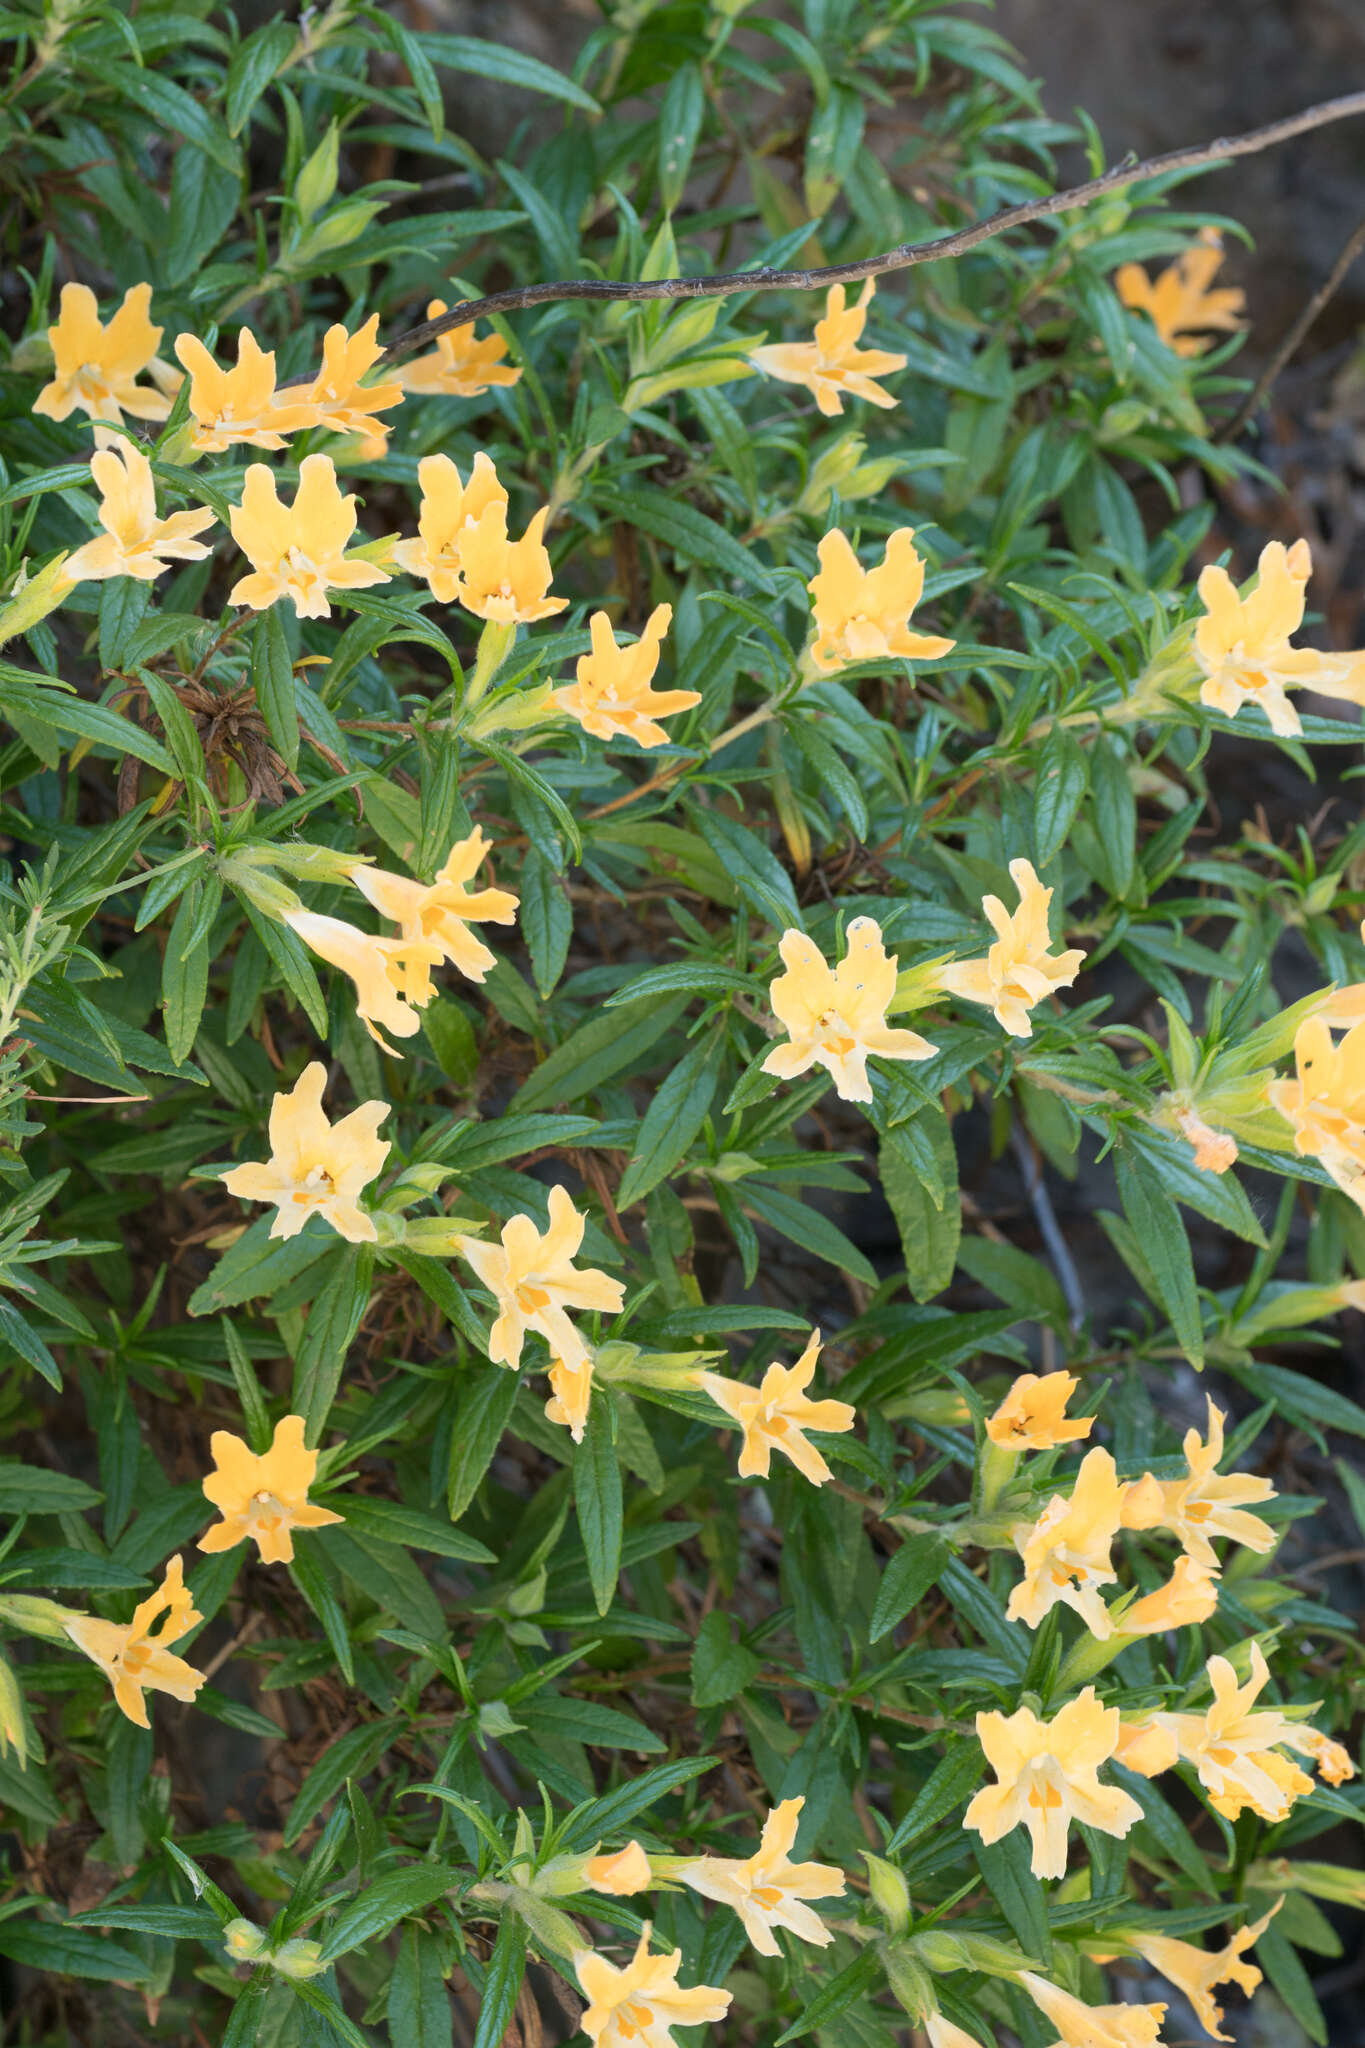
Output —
(134, 542)
(1180, 302)
(1214, 1151)
(1236, 1750)
(1033, 1417)
(238, 407)
(612, 695)
(132, 1658)
(1325, 1102)
(1196, 1972)
(1207, 1503)
(638, 2007)
(535, 1281)
(448, 511)
(505, 580)
(439, 913)
(1333, 1759)
(836, 1016)
(1066, 1552)
(766, 1889)
(1146, 1747)
(298, 551)
(1189, 1596)
(774, 1415)
(1242, 643)
(1019, 970)
(390, 975)
(459, 366)
(620, 1875)
(864, 614)
(263, 1498)
(945, 2033)
(833, 366)
(570, 1395)
(1094, 2026)
(337, 399)
(316, 1168)
(95, 368)
(1047, 1776)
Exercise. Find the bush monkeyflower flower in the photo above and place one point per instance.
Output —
(1189, 1596)
(238, 407)
(1019, 971)
(1180, 302)
(1033, 1417)
(835, 1017)
(1214, 1151)
(337, 398)
(506, 581)
(1242, 643)
(1093, 2026)
(263, 1499)
(459, 365)
(612, 696)
(449, 510)
(96, 365)
(570, 1395)
(1205, 1504)
(534, 1280)
(1325, 1102)
(298, 551)
(316, 1168)
(1066, 1552)
(775, 1414)
(832, 366)
(135, 1660)
(1236, 1749)
(639, 2006)
(134, 542)
(766, 1889)
(945, 2033)
(1197, 1971)
(440, 913)
(392, 976)
(1147, 1748)
(864, 614)
(1047, 1776)
(621, 1874)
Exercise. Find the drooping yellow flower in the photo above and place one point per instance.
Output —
(1048, 1775)
(1180, 303)
(459, 365)
(264, 1498)
(766, 1889)
(1333, 1759)
(449, 510)
(620, 1875)
(316, 1168)
(832, 366)
(864, 614)
(1208, 1503)
(1197, 1972)
(506, 581)
(135, 1660)
(1242, 643)
(134, 542)
(638, 2007)
(835, 1017)
(1093, 2026)
(238, 407)
(440, 913)
(1325, 1102)
(612, 695)
(96, 367)
(392, 976)
(570, 1395)
(1033, 1417)
(535, 1281)
(1066, 1552)
(337, 398)
(1214, 1151)
(1236, 1750)
(298, 551)
(1019, 970)
(775, 1414)
(1188, 1597)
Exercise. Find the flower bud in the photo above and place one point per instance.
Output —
(244, 1941)
(13, 1728)
(890, 1892)
(299, 1960)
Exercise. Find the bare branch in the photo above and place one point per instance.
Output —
(904, 257)
(1327, 290)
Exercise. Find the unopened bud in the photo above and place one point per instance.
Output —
(299, 1960)
(890, 1892)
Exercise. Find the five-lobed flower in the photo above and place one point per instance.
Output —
(135, 1656)
(1325, 1102)
(1180, 302)
(1242, 644)
(96, 364)
(1198, 1971)
(533, 1278)
(864, 614)
(832, 366)
(1047, 1775)
(612, 697)
(316, 1168)
(1020, 970)
(238, 407)
(1206, 1503)
(835, 1017)
(135, 542)
(338, 399)
(459, 364)
(448, 511)
(506, 581)
(1236, 1748)
(775, 1415)
(1067, 1552)
(767, 1889)
(392, 976)
(1033, 1417)
(638, 2006)
(298, 551)
(439, 913)
(1093, 2026)
(263, 1498)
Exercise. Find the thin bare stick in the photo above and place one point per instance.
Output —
(903, 257)
(1331, 284)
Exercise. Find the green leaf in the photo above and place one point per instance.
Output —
(384, 1902)
(721, 1667)
(1161, 1235)
(185, 975)
(680, 119)
(69, 1952)
(545, 917)
(420, 2014)
(272, 672)
(585, 1721)
(689, 533)
(33, 1490)
(597, 1496)
(948, 1784)
(1005, 1865)
(612, 1813)
(1057, 793)
(672, 1121)
(836, 1996)
(808, 1228)
(254, 1412)
(316, 1587)
(483, 1413)
(1016, 1277)
(472, 57)
(502, 1981)
(204, 201)
(929, 1232)
(254, 63)
(333, 1319)
(756, 873)
(349, 1756)
(392, 1522)
(602, 1047)
(1282, 1966)
(914, 1568)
